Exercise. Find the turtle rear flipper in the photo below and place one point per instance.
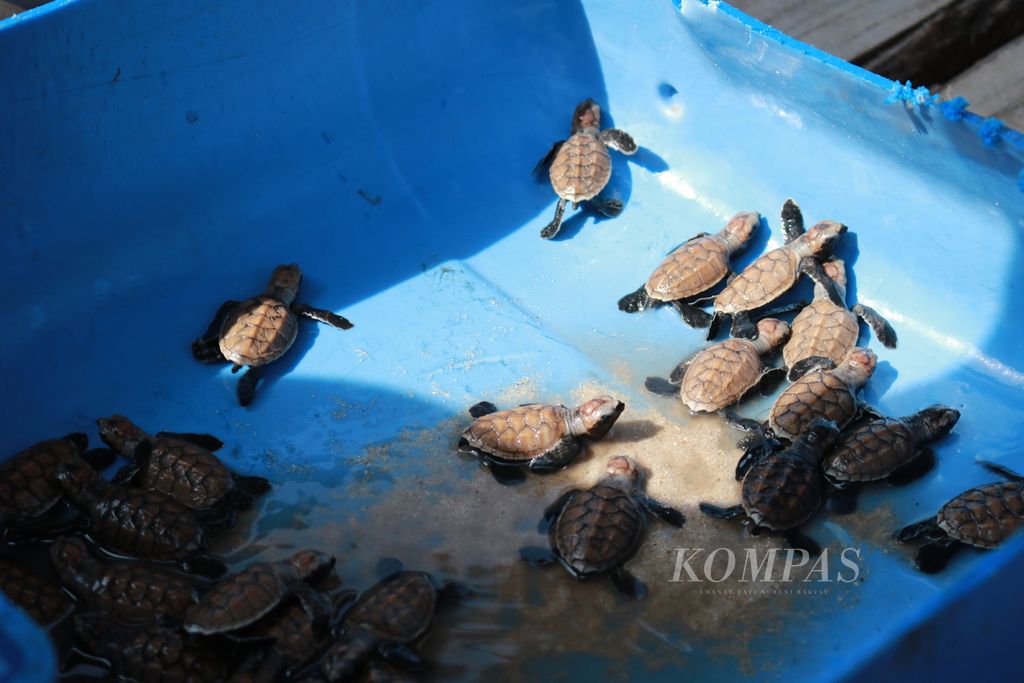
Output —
(619, 140)
(933, 557)
(538, 556)
(921, 464)
(879, 325)
(542, 165)
(247, 385)
(482, 408)
(666, 513)
(628, 584)
(691, 315)
(792, 220)
(323, 316)
(207, 441)
(552, 228)
(637, 301)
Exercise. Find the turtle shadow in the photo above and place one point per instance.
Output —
(881, 381)
(649, 160)
(633, 431)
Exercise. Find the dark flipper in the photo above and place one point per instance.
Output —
(559, 457)
(718, 512)
(879, 325)
(79, 439)
(398, 653)
(207, 441)
(792, 220)
(247, 385)
(691, 315)
(538, 556)
(812, 267)
(782, 309)
(661, 386)
(843, 500)
(543, 164)
(482, 408)
(911, 471)
(744, 424)
(800, 541)
(219, 519)
(553, 510)
(929, 529)
(768, 383)
(552, 228)
(206, 349)
(668, 514)
(506, 475)
(636, 301)
(99, 458)
(618, 140)
(679, 371)
(742, 326)
(755, 447)
(802, 367)
(933, 557)
(627, 584)
(125, 475)
(322, 316)
(606, 206)
(317, 607)
(255, 486)
(206, 567)
(716, 321)
(1000, 470)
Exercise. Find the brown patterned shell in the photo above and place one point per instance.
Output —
(984, 516)
(258, 331)
(817, 394)
(720, 374)
(581, 168)
(242, 598)
(691, 269)
(45, 602)
(28, 485)
(760, 283)
(598, 529)
(821, 329)
(871, 452)
(291, 631)
(155, 654)
(127, 591)
(399, 608)
(781, 491)
(519, 434)
(185, 472)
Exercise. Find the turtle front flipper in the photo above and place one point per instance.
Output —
(691, 315)
(802, 367)
(812, 268)
(666, 513)
(552, 228)
(768, 382)
(139, 462)
(716, 321)
(619, 140)
(559, 457)
(1000, 470)
(879, 325)
(543, 164)
(538, 556)
(660, 386)
(247, 385)
(253, 486)
(933, 557)
(719, 512)
(792, 220)
(679, 371)
(743, 424)
(205, 566)
(99, 458)
(627, 584)
(636, 301)
(318, 608)
(482, 408)
(553, 510)
(742, 326)
(922, 463)
(207, 441)
(322, 316)
(929, 529)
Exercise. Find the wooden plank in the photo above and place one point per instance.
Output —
(948, 41)
(995, 85)
(845, 28)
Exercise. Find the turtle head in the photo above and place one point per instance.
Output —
(860, 362)
(836, 269)
(774, 332)
(938, 419)
(738, 230)
(623, 467)
(823, 237)
(587, 116)
(121, 434)
(312, 565)
(284, 282)
(597, 416)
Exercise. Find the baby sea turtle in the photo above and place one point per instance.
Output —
(28, 480)
(783, 489)
(722, 374)
(137, 522)
(45, 602)
(260, 330)
(388, 620)
(245, 597)
(774, 273)
(151, 653)
(888, 448)
(542, 437)
(581, 165)
(597, 531)
(693, 269)
(126, 591)
(180, 466)
(983, 517)
(824, 329)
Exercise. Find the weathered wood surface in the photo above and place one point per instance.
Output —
(995, 85)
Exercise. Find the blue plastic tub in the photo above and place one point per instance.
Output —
(162, 157)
